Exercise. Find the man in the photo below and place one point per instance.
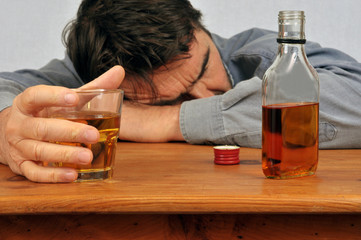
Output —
(180, 82)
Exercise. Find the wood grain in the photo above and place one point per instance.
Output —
(178, 178)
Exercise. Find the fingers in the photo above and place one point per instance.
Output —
(36, 173)
(34, 99)
(52, 152)
(32, 142)
(60, 130)
(109, 80)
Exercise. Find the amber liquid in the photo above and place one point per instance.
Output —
(289, 140)
(103, 151)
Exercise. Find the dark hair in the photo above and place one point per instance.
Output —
(140, 35)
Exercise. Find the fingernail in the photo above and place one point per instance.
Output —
(91, 136)
(70, 176)
(69, 98)
(84, 157)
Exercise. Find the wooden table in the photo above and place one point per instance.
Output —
(175, 191)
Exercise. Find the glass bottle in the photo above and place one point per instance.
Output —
(290, 105)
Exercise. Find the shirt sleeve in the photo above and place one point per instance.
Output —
(55, 73)
(8, 91)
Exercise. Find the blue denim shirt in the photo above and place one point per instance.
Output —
(235, 117)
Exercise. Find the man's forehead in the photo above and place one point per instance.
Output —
(191, 67)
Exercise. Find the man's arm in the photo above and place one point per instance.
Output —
(145, 123)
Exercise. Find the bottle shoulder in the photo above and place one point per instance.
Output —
(291, 63)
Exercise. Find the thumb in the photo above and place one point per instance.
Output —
(111, 79)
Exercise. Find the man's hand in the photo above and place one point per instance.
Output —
(27, 136)
(145, 123)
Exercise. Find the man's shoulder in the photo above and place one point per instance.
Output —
(253, 41)
(253, 34)
(244, 37)
(248, 53)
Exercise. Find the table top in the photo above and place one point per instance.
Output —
(182, 178)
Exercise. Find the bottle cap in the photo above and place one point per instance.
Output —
(226, 155)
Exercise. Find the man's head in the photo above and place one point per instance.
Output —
(140, 35)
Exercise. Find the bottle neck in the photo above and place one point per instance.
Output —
(290, 48)
(291, 27)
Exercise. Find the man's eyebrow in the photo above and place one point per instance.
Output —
(204, 66)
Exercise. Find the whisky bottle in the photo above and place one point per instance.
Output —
(290, 105)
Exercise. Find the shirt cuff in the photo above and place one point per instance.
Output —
(201, 120)
(8, 91)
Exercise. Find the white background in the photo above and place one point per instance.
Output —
(30, 30)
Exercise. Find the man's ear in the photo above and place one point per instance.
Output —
(111, 79)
